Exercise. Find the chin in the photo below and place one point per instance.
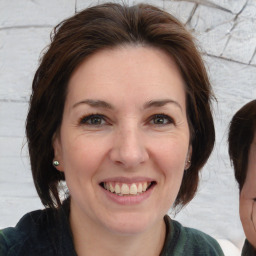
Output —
(130, 224)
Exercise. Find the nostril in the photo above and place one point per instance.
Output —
(118, 162)
(129, 158)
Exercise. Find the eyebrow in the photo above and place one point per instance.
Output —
(161, 103)
(149, 104)
(94, 103)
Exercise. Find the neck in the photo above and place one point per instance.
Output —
(90, 238)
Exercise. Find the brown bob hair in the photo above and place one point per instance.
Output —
(241, 133)
(107, 26)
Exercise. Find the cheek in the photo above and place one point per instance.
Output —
(171, 166)
(172, 154)
(82, 157)
(81, 165)
(171, 162)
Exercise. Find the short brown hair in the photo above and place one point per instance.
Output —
(107, 26)
(241, 133)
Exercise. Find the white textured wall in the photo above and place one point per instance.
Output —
(226, 33)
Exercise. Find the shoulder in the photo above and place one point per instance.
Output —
(189, 241)
(198, 241)
(248, 249)
(32, 228)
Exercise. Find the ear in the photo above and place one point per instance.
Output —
(188, 158)
(57, 147)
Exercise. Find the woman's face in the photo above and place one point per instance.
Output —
(124, 138)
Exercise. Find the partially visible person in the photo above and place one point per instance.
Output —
(242, 152)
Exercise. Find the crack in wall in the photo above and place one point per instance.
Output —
(75, 6)
(208, 4)
(242, 8)
(220, 24)
(11, 136)
(26, 26)
(191, 14)
(254, 54)
(233, 27)
(229, 37)
(228, 59)
(13, 100)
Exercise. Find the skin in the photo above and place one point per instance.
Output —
(128, 142)
(248, 197)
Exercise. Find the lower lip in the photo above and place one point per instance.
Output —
(128, 200)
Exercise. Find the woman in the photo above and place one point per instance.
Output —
(120, 110)
(242, 152)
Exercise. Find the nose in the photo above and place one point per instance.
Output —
(129, 149)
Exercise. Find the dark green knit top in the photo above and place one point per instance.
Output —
(47, 233)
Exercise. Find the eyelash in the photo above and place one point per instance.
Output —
(85, 119)
(162, 116)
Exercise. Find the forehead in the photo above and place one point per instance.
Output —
(127, 70)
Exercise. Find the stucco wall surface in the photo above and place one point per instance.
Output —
(226, 34)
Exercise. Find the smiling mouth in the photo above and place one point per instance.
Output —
(124, 189)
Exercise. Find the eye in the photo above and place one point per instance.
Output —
(161, 119)
(94, 120)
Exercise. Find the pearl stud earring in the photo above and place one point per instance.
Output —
(55, 163)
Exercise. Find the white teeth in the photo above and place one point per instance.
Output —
(144, 186)
(133, 189)
(125, 189)
(117, 189)
(111, 188)
(139, 188)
